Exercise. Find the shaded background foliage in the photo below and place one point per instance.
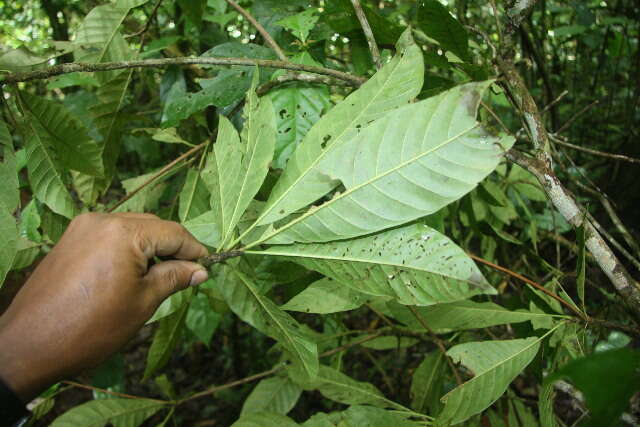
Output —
(581, 62)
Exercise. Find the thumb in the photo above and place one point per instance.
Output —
(169, 277)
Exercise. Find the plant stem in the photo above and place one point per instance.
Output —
(73, 67)
(368, 33)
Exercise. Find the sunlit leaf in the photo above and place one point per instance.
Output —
(119, 412)
(278, 394)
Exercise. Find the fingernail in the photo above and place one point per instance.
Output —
(198, 277)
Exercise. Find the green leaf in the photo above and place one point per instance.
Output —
(301, 183)
(435, 21)
(297, 109)
(201, 320)
(361, 416)
(119, 412)
(462, 315)
(171, 305)
(236, 169)
(545, 406)
(278, 394)
(427, 383)
(301, 23)
(248, 304)
(616, 371)
(443, 155)
(326, 296)
(414, 264)
(144, 200)
(46, 171)
(72, 79)
(27, 252)
(164, 341)
(494, 364)
(9, 193)
(194, 197)
(70, 139)
(168, 135)
(205, 228)
(9, 247)
(339, 387)
(30, 222)
(264, 419)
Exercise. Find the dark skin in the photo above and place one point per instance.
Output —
(91, 294)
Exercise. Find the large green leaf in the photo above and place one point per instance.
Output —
(414, 264)
(301, 182)
(494, 365)
(205, 228)
(436, 22)
(45, 170)
(167, 336)
(119, 412)
(264, 419)
(341, 388)
(236, 168)
(251, 306)
(408, 164)
(71, 142)
(326, 296)
(278, 394)
(297, 109)
(461, 315)
(427, 383)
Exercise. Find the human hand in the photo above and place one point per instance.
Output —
(91, 294)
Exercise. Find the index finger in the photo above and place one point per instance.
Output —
(157, 237)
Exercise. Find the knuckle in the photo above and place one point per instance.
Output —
(86, 218)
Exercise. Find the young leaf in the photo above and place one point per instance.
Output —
(278, 394)
(264, 419)
(494, 364)
(427, 383)
(119, 412)
(70, 139)
(326, 296)
(408, 164)
(246, 302)
(205, 228)
(166, 337)
(236, 169)
(392, 86)
(461, 315)
(436, 22)
(414, 264)
(300, 24)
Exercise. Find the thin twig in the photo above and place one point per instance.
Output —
(146, 27)
(219, 257)
(73, 67)
(265, 35)
(112, 393)
(436, 339)
(158, 175)
(495, 15)
(528, 281)
(555, 101)
(576, 115)
(368, 33)
(595, 152)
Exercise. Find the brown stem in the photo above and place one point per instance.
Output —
(265, 35)
(73, 67)
(146, 27)
(112, 393)
(595, 152)
(436, 339)
(575, 116)
(219, 257)
(157, 175)
(368, 33)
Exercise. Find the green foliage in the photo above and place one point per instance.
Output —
(360, 209)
